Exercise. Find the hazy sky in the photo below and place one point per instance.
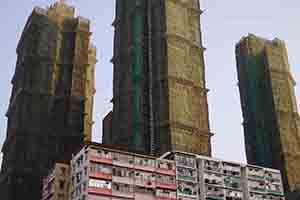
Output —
(223, 24)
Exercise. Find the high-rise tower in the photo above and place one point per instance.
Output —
(50, 109)
(159, 93)
(271, 120)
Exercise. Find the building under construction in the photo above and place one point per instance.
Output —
(159, 93)
(271, 119)
(50, 110)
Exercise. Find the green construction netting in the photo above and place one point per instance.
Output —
(134, 10)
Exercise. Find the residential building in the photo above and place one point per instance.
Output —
(56, 184)
(102, 173)
(99, 172)
(271, 119)
(50, 110)
(200, 177)
(159, 88)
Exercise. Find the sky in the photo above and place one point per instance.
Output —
(223, 24)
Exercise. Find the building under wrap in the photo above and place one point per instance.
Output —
(271, 119)
(50, 110)
(159, 94)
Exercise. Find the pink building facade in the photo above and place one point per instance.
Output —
(98, 173)
(101, 173)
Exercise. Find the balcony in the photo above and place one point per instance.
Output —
(165, 195)
(213, 179)
(231, 169)
(122, 190)
(233, 182)
(123, 175)
(186, 174)
(101, 156)
(273, 176)
(214, 193)
(166, 167)
(100, 171)
(123, 160)
(187, 189)
(273, 183)
(99, 187)
(255, 173)
(144, 179)
(185, 161)
(274, 189)
(166, 182)
(233, 195)
(213, 166)
(144, 164)
(256, 186)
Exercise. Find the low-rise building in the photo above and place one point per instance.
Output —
(200, 177)
(101, 173)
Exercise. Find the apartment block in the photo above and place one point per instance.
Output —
(101, 173)
(56, 184)
(199, 177)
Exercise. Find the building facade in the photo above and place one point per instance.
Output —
(271, 119)
(56, 185)
(159, 91)
(101, 173)
(51, 99)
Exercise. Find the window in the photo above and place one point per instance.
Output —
(63, 171)
(99, 184)
(85, 171)
(73, 180)
(78, 177)
(84, 186)
(122, 172)
(61, 184)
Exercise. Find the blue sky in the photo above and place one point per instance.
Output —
(223, 24)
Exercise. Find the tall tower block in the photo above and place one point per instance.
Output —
(51, 99)
(159, 92)
(271, 120)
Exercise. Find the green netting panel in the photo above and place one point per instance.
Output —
(254, 71)
(134, 10)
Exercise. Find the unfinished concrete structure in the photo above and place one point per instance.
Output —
(159, 93)
(50, 109)
(271, 119)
